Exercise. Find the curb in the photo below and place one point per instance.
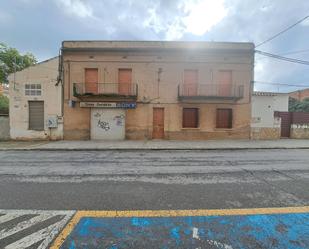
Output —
(148, 149)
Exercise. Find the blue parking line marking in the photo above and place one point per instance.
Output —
(224, 232)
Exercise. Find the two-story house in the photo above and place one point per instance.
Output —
(156, 90)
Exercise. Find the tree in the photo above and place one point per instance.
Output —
(11, 60)
(298, 106)
(4, 104)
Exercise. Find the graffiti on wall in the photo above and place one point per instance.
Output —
(119, 120)
(103, 125)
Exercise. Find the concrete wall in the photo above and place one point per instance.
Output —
(263, 124)
(44, 73)
(161, 90)
(4, 127)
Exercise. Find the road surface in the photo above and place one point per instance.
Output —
(119, 180)
(47, 188)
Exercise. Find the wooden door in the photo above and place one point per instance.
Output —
(286, 120)
(125, 81)
(225, 83)
(91, 80)
(190, 82)
(158, 123)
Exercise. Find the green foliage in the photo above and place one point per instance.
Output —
(298, 106)
(11, 60)
(4, 104)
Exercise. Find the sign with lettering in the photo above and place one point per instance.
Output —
(124, 105)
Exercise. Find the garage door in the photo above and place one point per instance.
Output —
(107, 124)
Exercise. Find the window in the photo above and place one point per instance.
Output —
(190, 117)
(36, 115)
(224, 118)
(33, 90)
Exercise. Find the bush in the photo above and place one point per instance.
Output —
(4, 104)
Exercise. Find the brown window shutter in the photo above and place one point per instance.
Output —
(190, 118)
(224, 118)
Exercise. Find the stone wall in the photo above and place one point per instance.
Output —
(4, 127)
(300, 131)
(265, 133)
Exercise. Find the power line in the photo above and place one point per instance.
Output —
(279, 57)
(290, 52)
(281, 32)
(280, 84)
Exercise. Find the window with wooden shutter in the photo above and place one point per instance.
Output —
(190, 118)
(36, 115)
(224, 118)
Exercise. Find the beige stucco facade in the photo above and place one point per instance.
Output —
(158, 70)
(45, 74)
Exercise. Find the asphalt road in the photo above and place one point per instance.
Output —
(120, 180)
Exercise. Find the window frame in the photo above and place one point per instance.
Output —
(230, 118)
(33, 89)
(197, 118)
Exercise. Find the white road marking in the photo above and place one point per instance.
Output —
(46, 235)
(195, 233)
(23, 225)
(8, 217)
(219, 244)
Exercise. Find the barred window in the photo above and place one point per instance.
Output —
(33, 90)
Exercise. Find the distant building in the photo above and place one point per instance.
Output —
(157, 90)
(264, 124)
(300, 95)
(35, 102)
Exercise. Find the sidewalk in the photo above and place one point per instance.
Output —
(157, 145)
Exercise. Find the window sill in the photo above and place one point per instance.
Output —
(194, 129)
(223, 129)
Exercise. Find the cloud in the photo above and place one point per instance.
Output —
(203, 15)
(75, 7)
(201, 20)
(190, 16)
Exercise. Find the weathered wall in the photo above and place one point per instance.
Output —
(300, 131)
(263, 108)
(265, 133)
(4, 127)
(44, 73)
(160, 90)
(264, 125)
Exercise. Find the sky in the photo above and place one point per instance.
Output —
(39, 26)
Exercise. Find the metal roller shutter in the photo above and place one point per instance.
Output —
(36, 115)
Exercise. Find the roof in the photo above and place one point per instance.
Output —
(157, 45)
(258, 93)
(301, 90)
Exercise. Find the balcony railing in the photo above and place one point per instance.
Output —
(105, 89)
(210, 91)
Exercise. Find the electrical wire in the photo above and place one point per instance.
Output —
(280, 84)
(279, 57)
(281, 32)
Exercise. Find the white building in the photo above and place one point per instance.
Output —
(35, 102)
(263, 124)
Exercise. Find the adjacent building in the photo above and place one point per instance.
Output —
(300, 95)
(155, 90)
(265, 124)
(35, 102)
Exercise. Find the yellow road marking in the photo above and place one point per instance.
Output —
(170, 213)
